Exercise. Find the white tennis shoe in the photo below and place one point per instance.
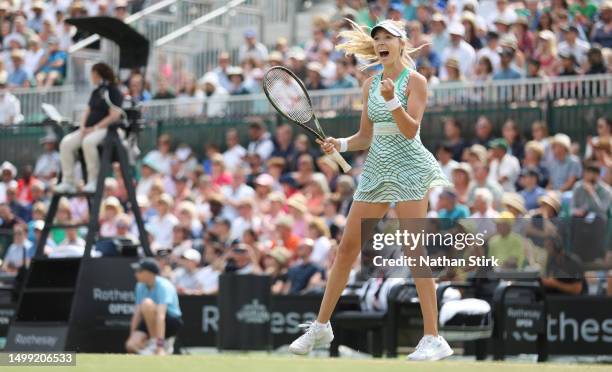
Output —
(317, 336)
(431, 348)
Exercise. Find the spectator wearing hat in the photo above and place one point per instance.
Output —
(236, 78)
(440, 38)
(460, 50)
(534, 158)
(319, 232)
(502, 11)
(52, 69)
(157, 315)
(298, 210)
(275, 263)
(264, 185)
(531, 191)
(568, 67)
(476, 154)
(565, 169)
(185, 276)
(296, 59)
(524, 37)
(314, 79)
(305, 275)
(35, 20)
(453, 70)
(461, 177)
(47, 166)
(504, 168)
(481, 179)
(546, 52)
(19, 77)
(483, 212)
(506, 245)
(573, 45)
(10, 107)
(507, 70)
(160, 226)
(214, 95)
(602, 30)
(490, 49)
(550, 205)
(8, 173)
(260, 140)
(247, 219)
(590, 195)
(252, 48)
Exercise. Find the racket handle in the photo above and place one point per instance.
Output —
(341, 162)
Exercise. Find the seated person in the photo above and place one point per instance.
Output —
(52, 70)
(506, 245)
(305, 275)
(157, 316)
(72, 246)
(98, 116)
(564, 271)
(14, 258)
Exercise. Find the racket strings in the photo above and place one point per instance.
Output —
(288, 96)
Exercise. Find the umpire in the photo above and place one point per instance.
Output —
(157, 315)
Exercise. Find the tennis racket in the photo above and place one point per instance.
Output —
(288, 95)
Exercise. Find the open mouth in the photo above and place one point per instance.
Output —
(384, 53)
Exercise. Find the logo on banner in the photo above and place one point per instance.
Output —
(253, 313)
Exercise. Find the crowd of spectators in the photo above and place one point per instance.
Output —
(456, 40)
(275, 205)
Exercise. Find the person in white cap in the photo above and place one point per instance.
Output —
(565, 168)
(458, 49)
(398, 169)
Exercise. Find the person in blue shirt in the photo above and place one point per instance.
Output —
(506, 68)
(450, 210)
(157, 315)
(53, 69)
(531, 192)
(19, 78)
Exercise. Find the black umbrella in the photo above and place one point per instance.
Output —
(133, 46)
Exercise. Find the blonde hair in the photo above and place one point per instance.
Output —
(359, 43)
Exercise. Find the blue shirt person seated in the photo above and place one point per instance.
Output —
(157, 315)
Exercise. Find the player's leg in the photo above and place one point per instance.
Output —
(319, 333)
(432, 347)
(148, 308)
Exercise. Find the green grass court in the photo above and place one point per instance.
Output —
(262, 363)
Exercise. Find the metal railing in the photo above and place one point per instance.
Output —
(326, 102)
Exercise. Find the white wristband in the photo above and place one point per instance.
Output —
(343, 144)
(393, 104)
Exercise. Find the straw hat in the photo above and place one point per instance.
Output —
(452, 62)
(464, 167)
(276, 196)
(563, 140)
(552, 199)
(280, 254)
(514, 200)
(298, 201)
(480, 151)
(286, 221)
(505, 217)
(536, 147)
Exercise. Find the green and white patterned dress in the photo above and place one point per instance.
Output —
(396, 168)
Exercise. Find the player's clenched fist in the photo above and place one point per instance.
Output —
(329, 145)
(387, 89)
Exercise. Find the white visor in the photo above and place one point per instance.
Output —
(390, 27)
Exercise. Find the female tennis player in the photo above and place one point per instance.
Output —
(398, 169)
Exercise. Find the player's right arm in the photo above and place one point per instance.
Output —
(363, 138)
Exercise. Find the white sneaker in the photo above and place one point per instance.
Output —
(90, 187)
(169, 345)
(149, 348)
(431, 348)
(64, 187)
(316, 336)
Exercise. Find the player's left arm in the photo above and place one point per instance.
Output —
(409, 118)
